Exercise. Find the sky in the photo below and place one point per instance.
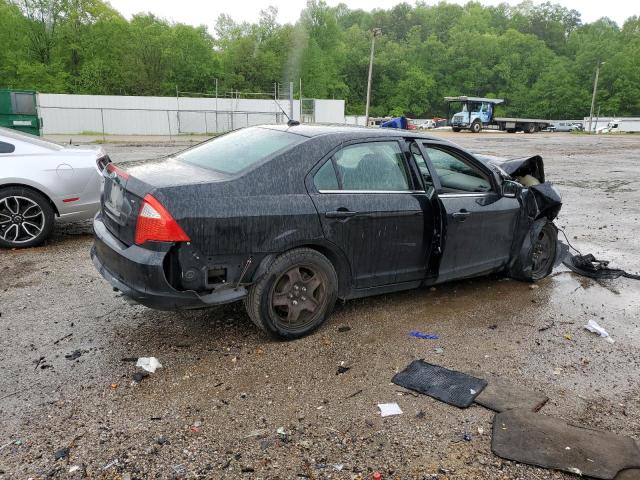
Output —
(198, 12)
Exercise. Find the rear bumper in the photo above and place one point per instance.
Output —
(139, 274)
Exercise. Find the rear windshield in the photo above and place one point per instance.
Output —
(236, 151)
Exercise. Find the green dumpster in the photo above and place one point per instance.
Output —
(18, 110)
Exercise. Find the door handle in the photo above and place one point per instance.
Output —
(461, 216)
(340, 214)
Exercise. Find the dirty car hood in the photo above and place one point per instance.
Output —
(517, 167)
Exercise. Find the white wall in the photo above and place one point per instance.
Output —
(131, 115)
(329, 111)
(355, 120)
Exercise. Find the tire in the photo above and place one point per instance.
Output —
(511, 130)
(295, 296)
(476, 127)
(530, 128)
(455, 129)
(544, 252)
(26, 217)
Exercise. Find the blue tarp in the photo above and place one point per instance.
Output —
(399, 122)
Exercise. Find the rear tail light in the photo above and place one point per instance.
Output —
(156, 224)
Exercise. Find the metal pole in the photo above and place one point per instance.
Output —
(593, 97)
(178, 108)
(291, 100)
(169, 124)
(206, 128)
(275, 98)
(102, 117)
(374, 33)
(300, 106)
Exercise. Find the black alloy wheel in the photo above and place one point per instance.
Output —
(544, 252)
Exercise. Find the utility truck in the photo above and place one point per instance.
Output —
(476, 113)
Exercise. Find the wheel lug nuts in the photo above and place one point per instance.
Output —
(304, 289)
(295, 302)
(303, 298)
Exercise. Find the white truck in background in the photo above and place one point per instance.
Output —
(476, 113)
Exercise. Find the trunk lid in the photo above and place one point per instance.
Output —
(126, 185)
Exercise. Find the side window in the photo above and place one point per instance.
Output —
(372, 166)
(325, 178)
(455, 174)
(422, 165)
(6, 147)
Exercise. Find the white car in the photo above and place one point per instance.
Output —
(41, 181)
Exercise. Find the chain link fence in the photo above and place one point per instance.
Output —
(138, 121)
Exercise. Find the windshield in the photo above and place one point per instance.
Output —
(239, 150)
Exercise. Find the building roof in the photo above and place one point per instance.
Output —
(464, 98)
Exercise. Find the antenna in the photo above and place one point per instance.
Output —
(282, 109)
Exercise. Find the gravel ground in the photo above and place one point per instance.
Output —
(213, 410)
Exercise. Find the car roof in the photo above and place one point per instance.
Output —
(316, 130)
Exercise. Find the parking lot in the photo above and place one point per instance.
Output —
(214, 408)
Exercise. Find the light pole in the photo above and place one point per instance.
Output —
(374, 33)
(593, 97)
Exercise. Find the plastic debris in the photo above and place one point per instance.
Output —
(424, 336)
(593, 327)
(439, 350)
(388, 409)
(149, 364)
(74, 469)
(139, 376)
(376, 476)
(73, 355)
(466, 437)
(344, 328)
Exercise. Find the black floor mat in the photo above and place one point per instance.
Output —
(551, 443)
(449, 386)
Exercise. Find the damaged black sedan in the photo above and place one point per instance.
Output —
(291, 218)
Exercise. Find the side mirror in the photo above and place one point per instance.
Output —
(510, 189)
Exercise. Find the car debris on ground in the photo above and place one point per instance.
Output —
(519, 432)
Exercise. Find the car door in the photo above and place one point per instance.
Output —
(369, 207)
(479, 221)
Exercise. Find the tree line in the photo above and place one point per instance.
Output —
(541, 58)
